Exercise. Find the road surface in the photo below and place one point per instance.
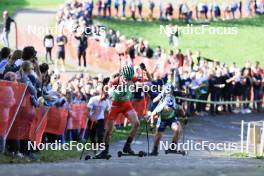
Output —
(213, 129)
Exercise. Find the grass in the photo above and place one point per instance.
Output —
(12, 5)
(245, 45)
(239, 155)
(244, 155)
(54, 156)
(44, 156)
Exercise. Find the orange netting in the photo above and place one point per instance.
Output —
(12, 94)
(78, 114)
(30, 122)
(57, 120)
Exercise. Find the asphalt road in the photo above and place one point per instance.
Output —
(216, 163)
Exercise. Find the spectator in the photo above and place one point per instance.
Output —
(151, 9)
(99, 7)
(109, 5)
(48, 43)
(6, 28)
(247, 84)
(133, 9)
(12, 67)
(240, 7)
(89, 5)
(215, 11)
(25, 74)
(173, 33)
(82, 44)
(157, 53)
(140, 9)
(161, 9)
(234, 7)
(169, 11)
(105, 6)
(98, 108)
(180, 58)
(185, 13)
(4, 58)
(124, 8)
(61, 42)
(257, 79)
(215, 86)
(117, 7)
(201, 8)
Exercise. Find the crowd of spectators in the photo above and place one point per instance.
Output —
(184, 10)
(191, 71)
(46, 88)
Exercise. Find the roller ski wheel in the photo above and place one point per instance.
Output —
(119, 154)
(87, 157)
(141, 154)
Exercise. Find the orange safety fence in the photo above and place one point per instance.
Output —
(29, 38)
(12, 94)
(107, 56)
(30, 122)
(57, 120)
(97, 55)
(78, 114)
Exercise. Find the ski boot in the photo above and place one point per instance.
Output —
(103, 155)
(127, 149)
(154, 151)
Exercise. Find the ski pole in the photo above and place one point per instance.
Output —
(147, 136)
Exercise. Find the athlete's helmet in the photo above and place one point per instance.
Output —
(169, 102)
(127, 72)
(168, 88)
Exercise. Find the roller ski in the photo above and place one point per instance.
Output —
(127, 151)
(139, 154)
(102, 155)
(179, 152)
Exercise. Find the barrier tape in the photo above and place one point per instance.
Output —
(217, 102)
